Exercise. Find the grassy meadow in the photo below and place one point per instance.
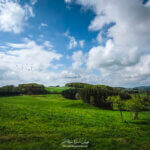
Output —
(44, 122)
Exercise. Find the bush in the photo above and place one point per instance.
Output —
(32, 88)
(118, 103)
(96, 95)
(27, 89)
(137, 104)
(9, 90)
(71, 93)
(134, 105)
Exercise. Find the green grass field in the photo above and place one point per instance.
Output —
(44, 122)
(57, 89)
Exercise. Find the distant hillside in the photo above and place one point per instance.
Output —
(134, 90)
(120, 88)
(77, 84)
(147, 88)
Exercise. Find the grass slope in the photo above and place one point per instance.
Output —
(43, 122)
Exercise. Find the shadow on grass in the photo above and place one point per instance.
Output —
(85, 106)
(141, 122)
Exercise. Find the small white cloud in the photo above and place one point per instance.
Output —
(73, 43)
(68, 1)
(100, 38)
(33, 2)
(43, 25)
(3, 47)
(29, 11)
(98, 22)
(48, 44)
(81, 43)
(30, 36)
(13, 16)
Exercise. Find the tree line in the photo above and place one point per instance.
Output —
(26, 89)
(109, 98)
(93, 94)
(77, 85)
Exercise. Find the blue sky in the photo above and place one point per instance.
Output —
(58, 41)
(58, 20)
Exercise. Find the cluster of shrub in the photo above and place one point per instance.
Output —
(26, 89)
(109, 98)
(96, 95)
(93, 94)
(9, 90)
(135, 104)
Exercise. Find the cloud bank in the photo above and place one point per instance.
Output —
(27, 62)
(125, 57)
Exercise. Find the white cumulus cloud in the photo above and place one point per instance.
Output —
(123, 57)
(78, 59)
(27, 62)
(13, 16)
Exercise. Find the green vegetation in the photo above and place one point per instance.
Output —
(9, 90)
(32, 88)
(77, 85)
(56, 90)
(134, 105)
(118, 103)
(43, 122)
(97, 94)
(71, 93)
(26, 89)
(137, 104)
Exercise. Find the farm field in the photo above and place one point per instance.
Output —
(45, 122)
